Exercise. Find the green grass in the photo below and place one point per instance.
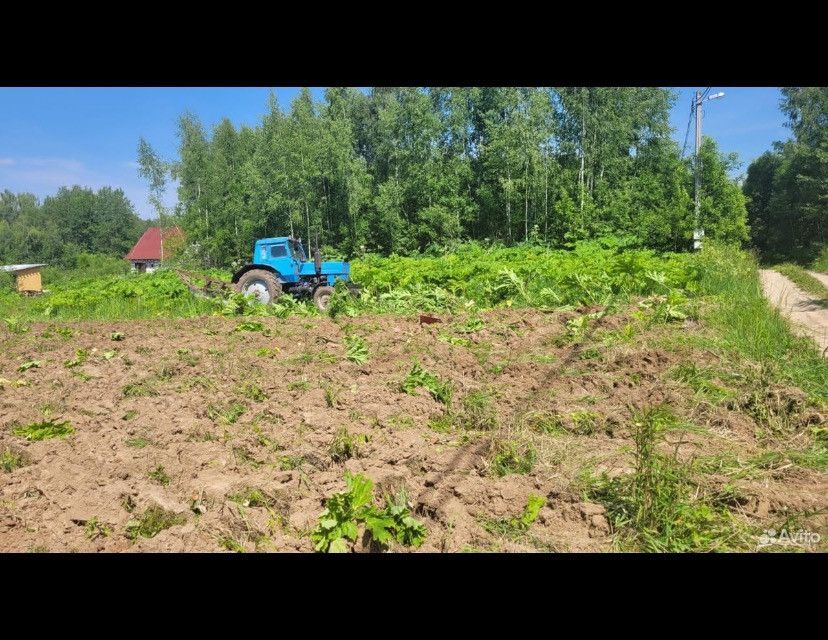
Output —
(745, 322)
(299, 385)
(477, 411)
(152, 521)
(251, 497)
(546, 422)
(253, 392)
(85, 294)
(231, 544)
(345, 445)
(45, 430)
(439, 389)
(820, 263)
(442, 423)
(804, 281)
(356, 349)
(584, 422)
(159, 475)
(11, 460)
(289, 463)
(509, 457)
(143, 388)
(228, 415)
(137, 443)
(700, 379)
(661, 506)
(515, 528)
(94, 529)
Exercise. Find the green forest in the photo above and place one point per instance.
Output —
(412, 170)
(73, 222)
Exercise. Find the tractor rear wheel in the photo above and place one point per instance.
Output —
(260, 283)
(322, 297)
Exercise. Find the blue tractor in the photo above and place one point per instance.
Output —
(281, 265)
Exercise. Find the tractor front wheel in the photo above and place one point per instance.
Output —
(260, 283)
(322, 297)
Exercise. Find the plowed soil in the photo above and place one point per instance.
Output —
(183, 395)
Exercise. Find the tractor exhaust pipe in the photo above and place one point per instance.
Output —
(317, 258)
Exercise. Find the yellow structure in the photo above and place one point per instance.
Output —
(28, 277)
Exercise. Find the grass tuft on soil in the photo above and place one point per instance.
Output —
(45, 430)
(152, 521)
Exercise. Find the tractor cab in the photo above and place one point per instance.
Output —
(281, 264)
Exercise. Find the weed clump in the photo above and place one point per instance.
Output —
(439, 389)
(11, 460)
(514, 528)
(159, 475)
(347, 510)
(659, 506)
(356, 350)
(140, 389)
(510, 457)
(45, 430)
(345, 446)
(478, 412)
(252, 497)
(150, 523)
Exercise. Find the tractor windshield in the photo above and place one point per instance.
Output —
(298, 250)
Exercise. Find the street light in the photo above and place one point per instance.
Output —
(698, 232)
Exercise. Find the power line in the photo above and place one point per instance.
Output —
(693, 108)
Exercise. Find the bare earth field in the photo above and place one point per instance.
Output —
(192, 415)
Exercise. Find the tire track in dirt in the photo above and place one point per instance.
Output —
(804, 312)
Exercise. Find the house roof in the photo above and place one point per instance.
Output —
(19, 267)
(148, 246)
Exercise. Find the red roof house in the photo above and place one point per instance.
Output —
(154, 246)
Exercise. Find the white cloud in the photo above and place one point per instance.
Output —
(43, 176)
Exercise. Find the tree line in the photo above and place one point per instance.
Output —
(402, 170)
(409, 169)
(787, 187)
(72, 222)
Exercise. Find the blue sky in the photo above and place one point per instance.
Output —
(50, 137)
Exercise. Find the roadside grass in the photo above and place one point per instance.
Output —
(700, 379)
(804, 281)
(820, 263)
(747, 323)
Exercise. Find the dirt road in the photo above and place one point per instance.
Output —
(822, 277)
(806, 315)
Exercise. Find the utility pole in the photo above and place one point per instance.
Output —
(698, 231)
